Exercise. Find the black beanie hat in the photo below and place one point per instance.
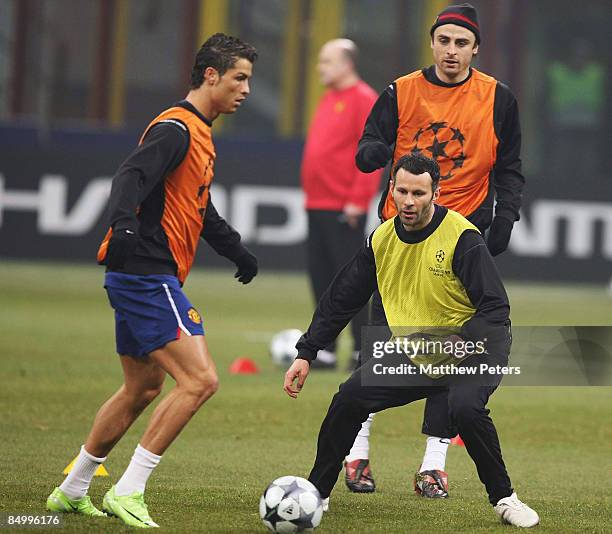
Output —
(462, 15)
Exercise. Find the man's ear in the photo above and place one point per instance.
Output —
(436, 194)
(211, 76)
(475, 50)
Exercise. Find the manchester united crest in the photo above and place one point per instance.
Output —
(194, 316)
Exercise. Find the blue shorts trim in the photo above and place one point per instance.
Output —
(150, 311)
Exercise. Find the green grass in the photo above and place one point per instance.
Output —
(58, 366)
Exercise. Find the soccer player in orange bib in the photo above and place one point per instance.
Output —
(159, 208)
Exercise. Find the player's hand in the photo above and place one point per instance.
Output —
(352, 214)
(374, 155)
(298, 371)
(499, 235)
(247, 267)
(121, 246)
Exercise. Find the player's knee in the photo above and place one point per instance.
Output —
(150, 394)
(212, 385)
(347, 402)
(350, 389)
(343, 397)
(464, 412)
(203, 385)
(140, 398)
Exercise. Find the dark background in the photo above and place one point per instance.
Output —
(79, 80)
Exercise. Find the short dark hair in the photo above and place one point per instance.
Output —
(417, 163)
(220, 52)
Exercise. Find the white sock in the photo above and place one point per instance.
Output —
(435, 454)
(138, 472)
(361, 447)
(326, 356)
(77, 482)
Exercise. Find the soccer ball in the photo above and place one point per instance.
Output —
(282, 347)
(291, 504)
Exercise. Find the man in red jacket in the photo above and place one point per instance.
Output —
(337, 194)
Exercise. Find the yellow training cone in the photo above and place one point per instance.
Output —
(100, 472)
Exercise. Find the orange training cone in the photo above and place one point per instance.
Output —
(243, 366)
(457, 441)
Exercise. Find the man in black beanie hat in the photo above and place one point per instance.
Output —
(468, 122)
(463, 15)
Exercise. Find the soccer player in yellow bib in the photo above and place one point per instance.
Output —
(432, 268)
(469, 123)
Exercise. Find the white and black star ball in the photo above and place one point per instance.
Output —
(291, 504)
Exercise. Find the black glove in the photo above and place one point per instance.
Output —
(375, 155)
(499, 235)
(247, 267)
(120, 247)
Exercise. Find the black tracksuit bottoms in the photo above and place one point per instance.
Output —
(467, 402)
(332, 242)
(436, 419)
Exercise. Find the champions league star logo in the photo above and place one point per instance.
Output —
(442, 143)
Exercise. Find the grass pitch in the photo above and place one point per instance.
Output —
(58, 366)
